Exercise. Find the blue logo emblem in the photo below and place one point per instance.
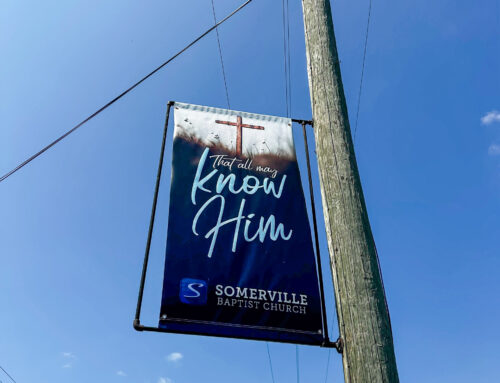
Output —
(193, 291)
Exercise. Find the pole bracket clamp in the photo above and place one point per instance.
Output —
(339, 345)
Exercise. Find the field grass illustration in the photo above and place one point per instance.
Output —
(259, 156)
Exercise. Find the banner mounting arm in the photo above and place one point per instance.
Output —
(303, 122)
(137, 323)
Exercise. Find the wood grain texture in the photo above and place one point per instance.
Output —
(362, 312)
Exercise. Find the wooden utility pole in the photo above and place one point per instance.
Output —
(363, 316)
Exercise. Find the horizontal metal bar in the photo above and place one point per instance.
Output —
(139, 327)
(306, 122)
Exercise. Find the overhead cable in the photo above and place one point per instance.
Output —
(220, 55)
(363, 67)
(27, 161)
(328, 364)
(288, 102)
(6, 373)
(285, 56)
(288, 98)
(297, 362)
(270, 363)
(288, 49)
(329, 354)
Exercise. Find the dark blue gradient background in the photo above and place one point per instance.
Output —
(287, 266)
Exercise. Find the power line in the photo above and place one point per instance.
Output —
(363, 67)
(328, 364)
(297, 361)
(288, 99)
(285, 57)
(220, 55)
(122, 94)
(329, 354)
(270, 363)
(288, 48)
(6, 373)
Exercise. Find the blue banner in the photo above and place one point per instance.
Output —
(239, 259)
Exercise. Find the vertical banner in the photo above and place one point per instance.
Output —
(239, 259)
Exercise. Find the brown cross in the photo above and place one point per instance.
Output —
(239, 131)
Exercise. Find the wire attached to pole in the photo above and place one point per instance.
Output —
(27, 161)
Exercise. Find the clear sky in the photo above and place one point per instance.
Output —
(74, 222)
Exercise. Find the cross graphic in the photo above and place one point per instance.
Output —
(239, 131)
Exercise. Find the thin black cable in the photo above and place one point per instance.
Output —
(123, 93)
(329, 354)
(328, 363)
(297, 360)
(289, 62)
(220, 54)
(363, 68)
(6, 373)
(285, 58)
(270, 363)
(288, 98)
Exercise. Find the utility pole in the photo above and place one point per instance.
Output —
(363, 316)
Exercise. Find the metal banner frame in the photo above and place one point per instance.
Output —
(137, 322)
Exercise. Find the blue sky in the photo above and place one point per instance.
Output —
(74, 222)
